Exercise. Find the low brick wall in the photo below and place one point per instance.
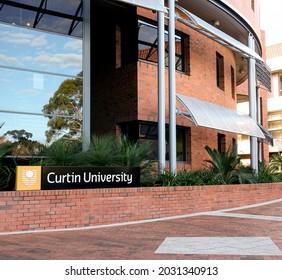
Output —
(39, 210)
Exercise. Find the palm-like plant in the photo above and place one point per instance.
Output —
(7, 172)
(276, 162)
(103, 151)
(226, 166)
(224, 163)
(61, 153)
(133, 153)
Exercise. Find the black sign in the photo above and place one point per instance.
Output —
(55, 178)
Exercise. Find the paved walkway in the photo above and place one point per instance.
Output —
(252, 232)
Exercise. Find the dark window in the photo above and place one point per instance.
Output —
(220, 71)
(221, 143)
(118, 46)
(149, 132)
(253, 5)
(234, 142)
(280, 93)
(233, 86)
(148, 46)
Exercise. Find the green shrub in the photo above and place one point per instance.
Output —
(226, 166)
(7, 170)
(103, 151)
(61, 153)
(267, 174)
(276, 162)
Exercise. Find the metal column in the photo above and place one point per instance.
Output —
(86, 124)
(161, 92)
(172, 95)
(260, 159)
(253, 103)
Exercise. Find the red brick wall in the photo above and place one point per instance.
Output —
(131, 92)
(40, 210)
(114, 99)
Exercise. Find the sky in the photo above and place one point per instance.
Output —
(271, 20)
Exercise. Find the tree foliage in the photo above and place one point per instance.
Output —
(21, 144)
(64, 111)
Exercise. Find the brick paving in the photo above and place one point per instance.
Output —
(140, 241)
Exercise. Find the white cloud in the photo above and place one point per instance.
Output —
(8, 60)
(73, 45)
(61, 60)
(23, 39)
(39, 41)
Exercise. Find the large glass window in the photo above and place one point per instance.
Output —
(41, 86)
(148, 46)
(29, 49)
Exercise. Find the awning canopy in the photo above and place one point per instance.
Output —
(156, 5)
(268, 136)
(214, 116)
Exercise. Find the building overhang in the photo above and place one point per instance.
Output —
(210, 115)
(241, 51)
(229, 19)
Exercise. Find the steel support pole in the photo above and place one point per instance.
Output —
(253, 103)
(259, 121)
(86, 124)
(172, 95)
(161, 92)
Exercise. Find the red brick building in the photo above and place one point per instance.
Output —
(124, 96)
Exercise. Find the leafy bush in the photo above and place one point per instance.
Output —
(188, 178)
(268, 174)
(276, 162)
(103, 151)
(7, 170)
(227, 167)
(61, 153)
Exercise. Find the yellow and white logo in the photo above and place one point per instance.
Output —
(28, 178)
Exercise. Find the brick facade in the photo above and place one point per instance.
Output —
(127, 90)
(58, 209)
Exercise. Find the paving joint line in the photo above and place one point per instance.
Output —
(245, 216)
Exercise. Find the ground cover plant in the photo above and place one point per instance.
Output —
(225, 168)
(7, 170)
(111, 150)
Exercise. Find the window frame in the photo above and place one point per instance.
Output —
(221, 143)
(134, 131)
(220, 71)
(183, 57)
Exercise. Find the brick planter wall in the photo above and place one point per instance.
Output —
(39, 210)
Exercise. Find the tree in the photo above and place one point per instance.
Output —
(18, 135)
(22, 144)
(64, 111)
